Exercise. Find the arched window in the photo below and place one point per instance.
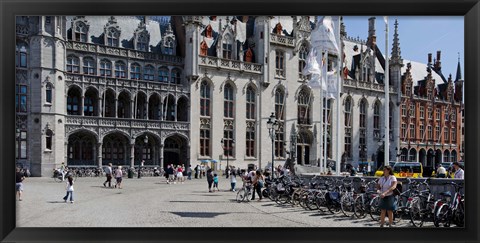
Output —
(205, 99)
(148, 73)
(227, 47)
(21, 56)
(163, 75)
(348, 127)
(175, 76)
(376, 120)
(279, 63)
(303, 110)
(280, 116)
(168, 46)
(120, 70)
(228, 103)
(88, 66)
(302, 59)
(363, 129)
(81, 31)
(73, 102)
(112, 37)
(250, 103)
(48, 93)
(142, 42)
(73, 64)
(135, 71)
(48, 138)
(105, 68)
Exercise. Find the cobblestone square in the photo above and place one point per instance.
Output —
(150, 202)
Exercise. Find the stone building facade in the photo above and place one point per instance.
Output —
(97, 89)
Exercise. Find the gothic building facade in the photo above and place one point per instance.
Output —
(92, 90)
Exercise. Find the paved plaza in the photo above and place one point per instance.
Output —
(150, 202)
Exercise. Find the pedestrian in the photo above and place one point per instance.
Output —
(227, 171)
(62, 169)
(441, 171)
(108, 172)
(196, 172)
(459, 173)
(215, 182)
(233, 180)
(209, 180)
(258, 181)
(170, 172)
(189, 172)
(19, 177)
(118, 177)
(386, 185)
(69, 189)
(140, 169)
(202, 171)
(180, 175)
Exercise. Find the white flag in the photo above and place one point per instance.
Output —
(312, 66)
(385, 18)
(317, 81)
(323, 36)
(331, 85)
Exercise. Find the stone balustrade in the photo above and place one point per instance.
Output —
(282, 40)
(230, 64)
(126, 123)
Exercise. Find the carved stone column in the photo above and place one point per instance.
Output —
(100, 107)
(161, 155)
(132, 106)
(175, 109)
(132, 153)
(145, 110)
(99, 154)
(82, 101)
(116, 108)
(66, 152)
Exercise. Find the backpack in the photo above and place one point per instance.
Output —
(398, 190)
(333, 197)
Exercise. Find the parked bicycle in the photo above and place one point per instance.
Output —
(450, 209)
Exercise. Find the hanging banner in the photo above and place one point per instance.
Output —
(323, 36)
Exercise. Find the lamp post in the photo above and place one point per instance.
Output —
(227, 148)
(272, 125)
(363, 149)
(145, 142)
(293, 145)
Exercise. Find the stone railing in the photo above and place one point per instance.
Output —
(367, 85)
(282, 40)
(126, 123)
(230, 64)
(128, 53)
(142, 84)
(22, 29)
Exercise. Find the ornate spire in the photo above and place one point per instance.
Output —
(343, 32)
(459, 71)
(396, 53)
(169, 29)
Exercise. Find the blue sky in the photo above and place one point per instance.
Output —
(419, 35)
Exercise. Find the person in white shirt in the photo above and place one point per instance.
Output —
(441, 171)
(459, 173)
(69, 189)
(386, 184)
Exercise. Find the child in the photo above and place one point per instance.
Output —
(69, 189)
(215, 182)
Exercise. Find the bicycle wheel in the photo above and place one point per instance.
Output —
(460, 215)
(282, 199)
(240, 195)
(310, 202)
(374, 208)
(441, 215)
(321, 202)
(359, 209)
(417, 216)
(346, 205)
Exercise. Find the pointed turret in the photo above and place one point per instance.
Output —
(459, 71)
(396, 57)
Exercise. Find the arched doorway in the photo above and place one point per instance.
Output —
(90, 103)
(123, 105)
(304, 142)
(446, 156)
(154, 107)
(438, 156)
(81, 149)
(115, 149)
(430, 158)
(182, 109)
(422, 156)
(412, 155)
(175, 151)
(148, 151)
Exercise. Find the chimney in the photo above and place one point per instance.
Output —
(438, 64)
(372, 38)
(429, 58)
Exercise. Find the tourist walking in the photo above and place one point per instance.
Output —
(19, 177)
(215, 182)
(441, 171)
(180, 174)
(459, 173)
(233, 180)
(69, 189)
(118, 177)
(196, 172)
(209, 180)
(108, 172)
(140, 169)
(189, 172)
(170, 176)
(258, 181)
(386, 185)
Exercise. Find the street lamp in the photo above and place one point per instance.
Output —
(293, 144)
(145, 142)
(363, 149)
(272, 125)
(227, 148)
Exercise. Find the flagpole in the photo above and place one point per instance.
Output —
(339, 85)
(321, 117)
(104, 92)
(325, 117)
(387, 99)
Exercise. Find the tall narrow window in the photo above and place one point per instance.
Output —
(437, 114)
(250, 142)
(227, 47)
(446, 135)
(205, 142)
(88, 106)
(412, 131)
(279, 63)
(430, 133)
(228, 102)
(390, 118)
(437, 132)
(21, 56)
(430, 113)
(169, 46)
(408, 89)
(446, 113)
(88, 66)
(80, 32)
(106, 68)
(205, 99)
(142, 42)
(21, 145)
(303, 110)
(348, 127)
(135, 71)
(412, 110)
(454, 136)
(280, 116)
(148, 73)
(250, 103)
(21, 98)
(376, 120)
(404, 130)
(48, 136)
(120, 70)
(163, 75)
(363, 128)
(48, 93)
(302, 60)
(404, 110)
(175, 76)
(327, 118)
(422, 112)
(73, 64)
(112, 37)
(422, 131)
(250, 133)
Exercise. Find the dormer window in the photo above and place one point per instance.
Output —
(142, 42)
(227, 47)
(112, 37)
(81, 32)
(168, 46)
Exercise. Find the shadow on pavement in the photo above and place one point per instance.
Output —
(197, 214)
(56, 201)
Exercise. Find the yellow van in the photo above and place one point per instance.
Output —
(408, 169)
(379, 171)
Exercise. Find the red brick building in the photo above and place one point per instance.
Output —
(431, 118)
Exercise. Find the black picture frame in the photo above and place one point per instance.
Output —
(9, 8)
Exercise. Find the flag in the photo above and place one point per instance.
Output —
(385, 19)
(331, 85)
(317, 81)
(323, 36)
(312, 66)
